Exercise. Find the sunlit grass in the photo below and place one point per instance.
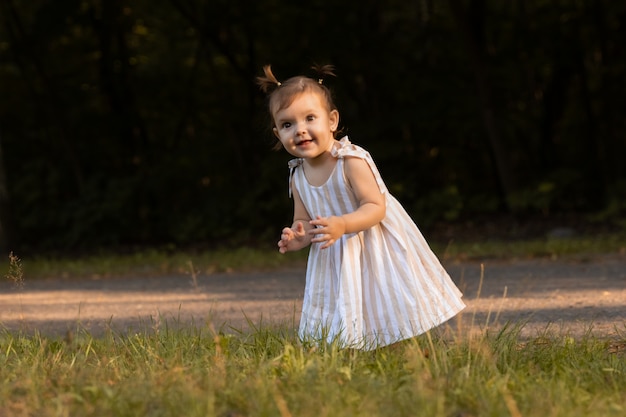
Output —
(173, 369)
(194, 371)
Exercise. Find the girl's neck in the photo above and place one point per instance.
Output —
(318, 170)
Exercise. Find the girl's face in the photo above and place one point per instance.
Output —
(306, 127)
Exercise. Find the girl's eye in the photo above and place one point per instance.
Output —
(310, 118)
(286, 125)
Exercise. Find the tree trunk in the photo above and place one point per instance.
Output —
(6, 225)
(117, 84)
(49, 105)
(473, 35)
(592, 155)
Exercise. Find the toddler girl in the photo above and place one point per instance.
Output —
(371, 279)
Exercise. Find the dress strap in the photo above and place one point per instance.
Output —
(293, 164)
(347, 148)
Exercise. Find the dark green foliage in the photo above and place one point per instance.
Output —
(139, 123)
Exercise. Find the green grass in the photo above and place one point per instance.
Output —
(533, 248)
(153, 262)
(173, 370)
(196, 372)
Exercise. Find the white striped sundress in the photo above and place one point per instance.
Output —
(375, 287)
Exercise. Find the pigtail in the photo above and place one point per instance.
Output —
(324, 71)
(269, 82)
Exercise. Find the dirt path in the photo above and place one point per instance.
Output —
(573, 295)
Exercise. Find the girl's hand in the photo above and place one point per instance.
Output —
(327, 229)
(292, 239)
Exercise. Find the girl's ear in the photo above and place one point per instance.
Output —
(275, 132)
(333, 119)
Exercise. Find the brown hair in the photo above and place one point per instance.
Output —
(282, 94)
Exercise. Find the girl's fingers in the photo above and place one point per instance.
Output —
(318, 221)
(322, 238)
(328, 244)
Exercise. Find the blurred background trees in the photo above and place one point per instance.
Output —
(138, 123)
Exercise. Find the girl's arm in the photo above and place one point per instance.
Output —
(371, 211)
(296, 237)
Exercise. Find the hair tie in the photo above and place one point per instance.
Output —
(320, 81)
